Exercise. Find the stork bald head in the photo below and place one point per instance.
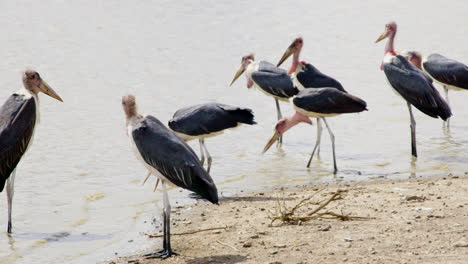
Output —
(33, 82)
(129, 106)
(415, 58)
(246, 60)
(294, 47)
(389, 32)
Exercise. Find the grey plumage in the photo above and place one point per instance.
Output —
(205, 120)
(173, 158)
(209, 118)
(311, 77)
(414, 87)
(447, 71)
(328, 101)
(17, 121)
(274, 80)
(324, 95)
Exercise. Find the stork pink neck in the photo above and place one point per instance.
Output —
(295, 61)
(389, 45)
(298, 117)
(294, 120)
(249, 82)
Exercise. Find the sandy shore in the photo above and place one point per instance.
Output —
(407, 221)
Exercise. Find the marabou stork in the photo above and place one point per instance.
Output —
(411, 83)
(267, 78)
(451, 74)
(305, 75)
(168, 157)
(208, 120)
(18, 118)
(318, 103)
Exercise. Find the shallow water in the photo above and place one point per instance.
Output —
(78, 195)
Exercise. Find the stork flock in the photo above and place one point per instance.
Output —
(164, 152)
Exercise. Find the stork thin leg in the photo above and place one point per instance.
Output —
(278, 112)
(448, 103)
(166, 252)
(156, 185)
(413, 132)
(202, 160)
(321, 130)
(10, 191)
(147, 176)
(317, 142)
(208, 156)
(332, 137)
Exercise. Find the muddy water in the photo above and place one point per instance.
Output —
(79, 197)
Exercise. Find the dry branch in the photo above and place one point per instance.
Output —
(227, 245)
(292, 216)
(189, 232)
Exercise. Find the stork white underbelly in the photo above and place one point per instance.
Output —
(451, 87)
(296, 82)
(28, 95)
(312, 114)
(256, 86)
(248, 72)
(186, 137)
(388, 59)
(155, 172)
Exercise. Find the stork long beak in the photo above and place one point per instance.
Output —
(272, 140)
(382, 36)
(45, 88)
(290, 51)
(238, 74)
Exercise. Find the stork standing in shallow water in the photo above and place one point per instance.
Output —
(411, 83)
(305, 76)
(208, 120)
(168, 157)
(451, 74)
(18, 118)
(318, 103)
(267, 78)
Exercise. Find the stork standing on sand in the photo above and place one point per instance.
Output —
(411, 83)
(18, 118)
(168, 157)
(451, 74)
(208, 120)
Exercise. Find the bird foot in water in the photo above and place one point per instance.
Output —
(162, 254)
(279, 143)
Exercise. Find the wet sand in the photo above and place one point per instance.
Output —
(409, 221)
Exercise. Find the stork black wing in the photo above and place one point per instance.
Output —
(447, 71)
(311, 77)
(17, 120)
(414, 87)
(209, 118)
(173, 158)
(328, 101)
(274, 80)
(265, 66)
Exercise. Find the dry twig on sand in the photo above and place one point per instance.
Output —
(227, 245)
(290, 216)
(190, 232)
